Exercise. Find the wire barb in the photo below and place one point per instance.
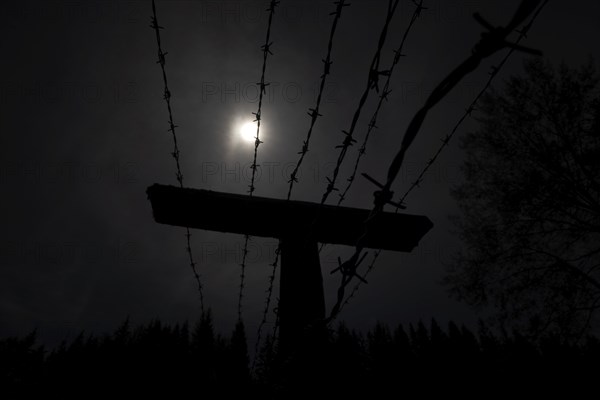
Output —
(349, 267)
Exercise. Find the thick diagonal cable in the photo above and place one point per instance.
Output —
(469, 110)
(175, 153)
(266, 50)
(446, 140)
(491, 42)
(372, 83)
(314, 115)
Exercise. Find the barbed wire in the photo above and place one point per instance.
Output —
(382, 98)
(175, 153)
(469, 110)
(314, 112)
(276, 325)
(269, 296)
(491, 42)
(242, 276)
(314, 115)
(372, 83)
(445, 141)
(364, 277)
(266, 50)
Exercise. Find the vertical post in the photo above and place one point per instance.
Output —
(302, 302)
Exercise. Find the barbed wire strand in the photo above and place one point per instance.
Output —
(266, 50)
(269, 296)
(446, 140)
(382, 98)
(314, 112)
(469, 110)
(314, 115)
(175, 153)
(491, 42)
(372, 83)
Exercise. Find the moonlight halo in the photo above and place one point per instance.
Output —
(247, 131)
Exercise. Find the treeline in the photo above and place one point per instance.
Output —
(159, 359)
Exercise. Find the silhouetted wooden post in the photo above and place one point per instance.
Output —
(301, 284)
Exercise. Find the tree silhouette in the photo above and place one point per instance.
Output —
(141, 361)
(530, 203)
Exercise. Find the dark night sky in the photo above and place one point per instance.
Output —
(84, 134)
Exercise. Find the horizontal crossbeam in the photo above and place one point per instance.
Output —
(266, 217)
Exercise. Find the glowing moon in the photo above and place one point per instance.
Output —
(247, 131)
